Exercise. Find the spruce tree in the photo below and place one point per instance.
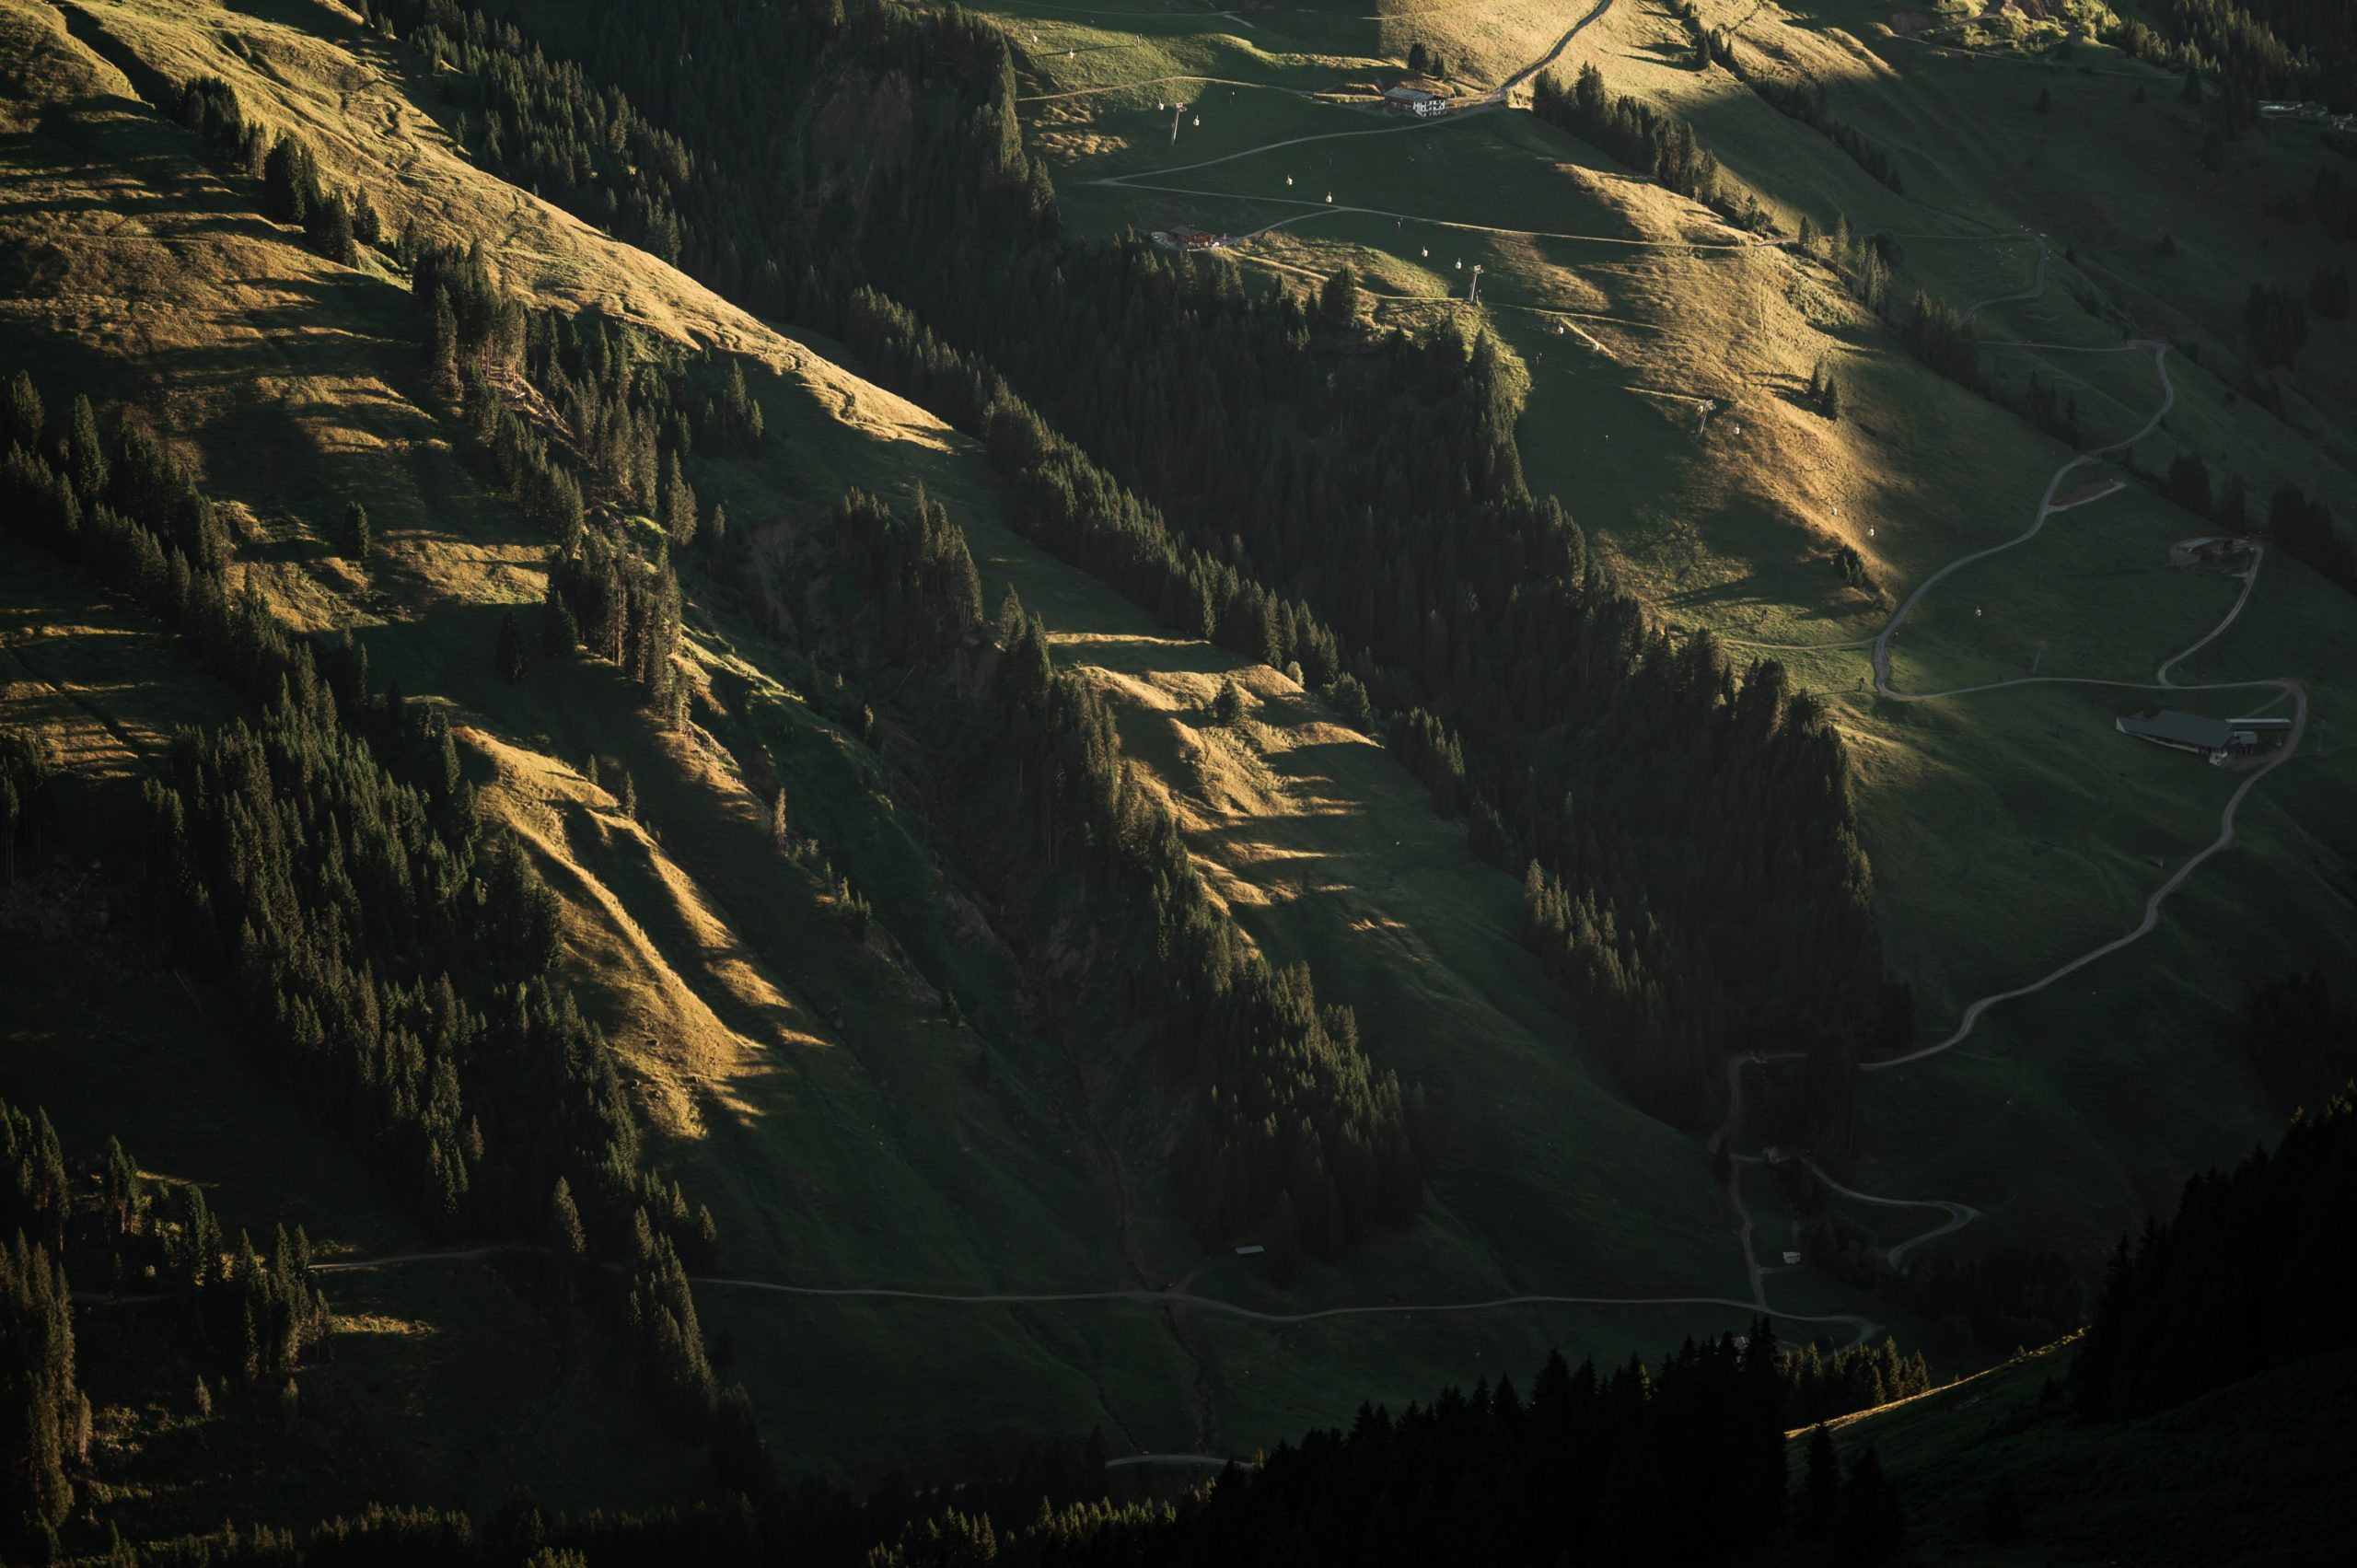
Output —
(511, 659)
(678, 504)
(22, 418)
(45, 1419)
(1338, 300)
(1822, 1489)
(356, 536)
(86, 454)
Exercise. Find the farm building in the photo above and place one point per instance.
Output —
(1187, 237)
(2213, 738)
(1414, 101)
(2194, 551)
(2246, 736)
(2182, 732)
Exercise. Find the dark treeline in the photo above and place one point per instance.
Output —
(1682, 1462)
(27, 764)
(333, 223)
(1862, 261)
(1811, 107)
(1067, 503)
(1371, 507)
(2275, 323)
(1712, 45)
(1820, 1386)
(45, 1415)
(2252, 1273)
(2302, 526)
(248, 1314)
(391, 960)
(1934, 333)
(2008, 1296)
(2267, 49)
(2301, 1039)
(587, 423)
(1650, 140)
(2051, 412)
(1292, 1129)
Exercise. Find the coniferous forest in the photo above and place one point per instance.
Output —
(808, 858)
(1464, 594)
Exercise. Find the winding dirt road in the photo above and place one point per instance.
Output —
(1864, 1327)
(1960, 1214)
(2047, 506)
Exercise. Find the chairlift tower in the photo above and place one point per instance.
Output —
(1176, 110)
(1473, 291)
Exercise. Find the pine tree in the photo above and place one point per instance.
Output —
(780, 834)
(45, 1419)
(356, 536)
(678, 504)
(1338, 300)
(1822, 1489)
(124, 1192)
(511, 659)
(1227, 706)
(287, 181)
(560, 632)
(22, 417)
(367, 228)
(85, 454)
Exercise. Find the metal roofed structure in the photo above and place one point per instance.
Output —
(2184, 732)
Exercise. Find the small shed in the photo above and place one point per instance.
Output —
(2210, 547)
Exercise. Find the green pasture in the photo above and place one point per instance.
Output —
(2118, 1490)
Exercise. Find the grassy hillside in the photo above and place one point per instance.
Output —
(763, 1050)
(2246, 1475)
(889, 1111)
(445, 1384)
(2011, 831)
(813, 1090)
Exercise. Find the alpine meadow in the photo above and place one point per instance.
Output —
(809, 783)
